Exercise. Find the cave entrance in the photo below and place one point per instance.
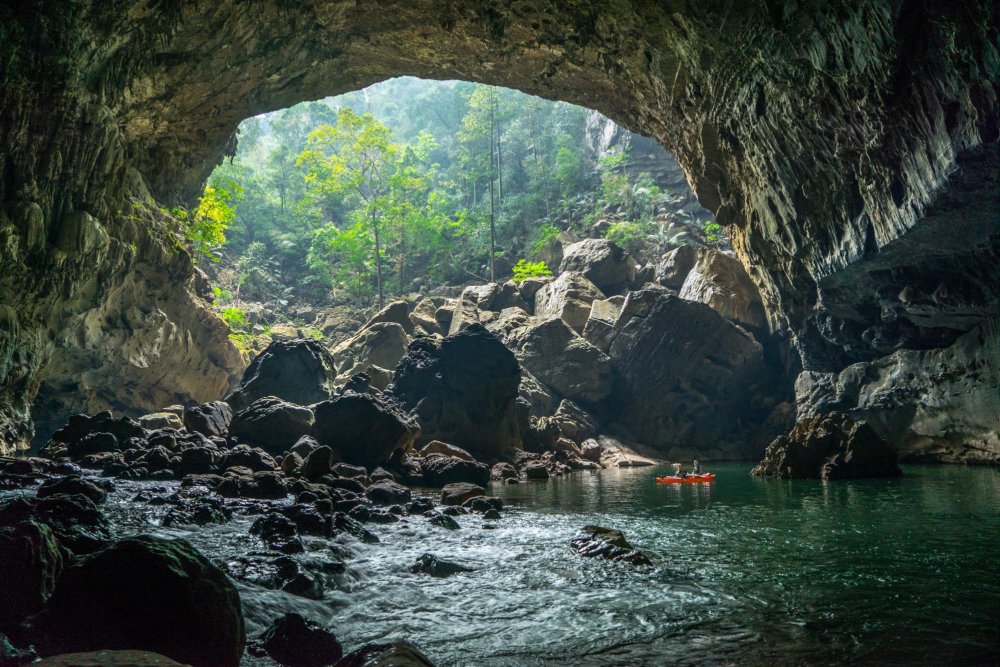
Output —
(439, 176)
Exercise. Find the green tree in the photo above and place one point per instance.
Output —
(353, 159)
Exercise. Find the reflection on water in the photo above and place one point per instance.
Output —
(748, 571)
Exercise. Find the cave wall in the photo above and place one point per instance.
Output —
(821, 134)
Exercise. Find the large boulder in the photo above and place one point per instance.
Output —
(561, 359)
(272, 424)
(674, 267)
(380, 344)
(363, 429)
(602, 262)
(831, 446)
(32, 562)
(568, 297)
(719, 280)
(211, 419)
(151, 594)
(441, 470)
(683, 373)
(599, 329)
(295, 641)
(462, 390)
(395, 654)
(297, 371)
(473, 306)
(73, 518)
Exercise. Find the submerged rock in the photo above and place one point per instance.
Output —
(607, 543)
(295, 641)
(436, 567)
(151, 594)
(396, 654)
(831, 446)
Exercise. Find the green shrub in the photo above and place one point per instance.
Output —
(630, 234)
(525, 269)
(234, 317)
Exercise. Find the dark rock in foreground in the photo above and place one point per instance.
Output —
(273, 424)
(146, 593)
(608, 543)
(831, 446)
(295, 641)
(436, 567)
(32, 562)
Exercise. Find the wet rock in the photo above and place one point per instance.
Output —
(264, 485)
(436, 567)
(462, 390)
(71, 485)
(197, 514)
(317, 463)
(458, 493)
(396, 654)
(502, 471)
(254, 459)
(295, 641)
(92, 443)
(300, 372)
(278, 532)
(345, 524)
(364, 429)
(491, 515)
(74, 519)
(147, 593)
(536, 470)
(602, 262)
(440, 470)
(198, 460)
(32, 563)
(419, 505)
(567, 297)
(831, 446)
(483, 504)
(345, 484)
(11, 656)
(387, 493)
(438, 447)
(607, 543)
(272, 424)
(211, 419)
(445, 521)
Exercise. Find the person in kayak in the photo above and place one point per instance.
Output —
(679, 472)
(696, 468)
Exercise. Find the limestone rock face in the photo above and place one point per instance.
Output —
(297, 371)
(683, 372)
(933, 405)
(147, 593)
(831, 446)
(568, 297)
(887, 243)
(462, 390)
(720, 281)
(601, 262)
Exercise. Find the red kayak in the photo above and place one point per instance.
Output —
(689, 479)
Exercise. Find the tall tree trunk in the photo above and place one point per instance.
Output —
(378, 261)
(496, 115)
(493, 225)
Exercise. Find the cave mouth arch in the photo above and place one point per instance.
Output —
(780, 116)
